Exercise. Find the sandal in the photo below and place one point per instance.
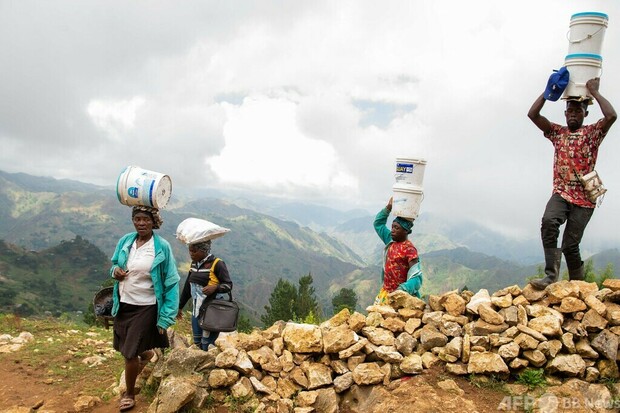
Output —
(126, 403)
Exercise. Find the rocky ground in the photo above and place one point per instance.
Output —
(54, 366)
(49, 367)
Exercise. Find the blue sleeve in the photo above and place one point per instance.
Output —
(167, 316)
(382, 231)
(115, 256)
(414, 281)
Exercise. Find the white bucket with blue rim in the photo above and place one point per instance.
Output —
(581, 67)
(587, 32)
(406, 200)
(410, 171)
(137, 186)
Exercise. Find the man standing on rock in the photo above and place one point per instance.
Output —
(576, 148)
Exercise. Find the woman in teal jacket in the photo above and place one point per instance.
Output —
(146, 296)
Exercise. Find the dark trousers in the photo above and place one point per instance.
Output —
(557, 212)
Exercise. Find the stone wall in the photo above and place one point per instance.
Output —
(570, 330)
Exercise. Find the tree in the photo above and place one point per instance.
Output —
(244, 325)
(607, 273)
(346, 298)
(281, 303)
(306, 303)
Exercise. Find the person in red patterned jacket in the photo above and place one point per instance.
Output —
(576, 149)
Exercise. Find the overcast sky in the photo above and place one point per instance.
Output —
(310, 100)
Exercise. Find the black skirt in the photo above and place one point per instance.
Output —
(135, 330)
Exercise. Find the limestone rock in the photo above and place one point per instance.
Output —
(593, 321)
(173, 394)
(356, 321)
(480, 297)
(488, 314)
(318, 375)
(451, 387)
(430, 338)
(344, 382)
(557, 291)
(454, 304)
(400, 299)
(412, 364)
(571, 305)
(378, 336)
(223, 378)
(338, 338)
(549, 325)
(535, 357)
(302, 338)
(606, 343)
(486, 363)
(568, 365)
(530, 331)
(502, 301)
(242, 389)
(367, 373)
(509, 351)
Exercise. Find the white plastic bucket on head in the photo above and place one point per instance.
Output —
(587, 31)
(137, 186)
(406, 200)
(581, 67)
(410, 171)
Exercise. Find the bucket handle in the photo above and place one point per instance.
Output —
(583, 84)
(588, 36)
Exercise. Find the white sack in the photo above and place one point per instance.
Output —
(193, 230)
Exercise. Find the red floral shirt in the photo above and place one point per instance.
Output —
(575, 153)
(399, 255)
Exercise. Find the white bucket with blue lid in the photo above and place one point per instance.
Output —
(581, 67)
(410, 171)
(587, 32)
(137, 186)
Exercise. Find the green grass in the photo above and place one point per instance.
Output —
(532, 378)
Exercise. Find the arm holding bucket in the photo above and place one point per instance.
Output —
(380, 220)
(534, 114)
(609, 112)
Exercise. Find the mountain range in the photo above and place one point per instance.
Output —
(269, 239)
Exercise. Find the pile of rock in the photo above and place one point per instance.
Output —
(570, 329)
(10, 344)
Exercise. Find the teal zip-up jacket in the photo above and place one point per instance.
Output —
(414, 275)
(164, 274)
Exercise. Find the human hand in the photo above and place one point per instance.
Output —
(161, 330)
(119, 274)
(180, 314)
(209, 289)
(593, 84)
(389, 205)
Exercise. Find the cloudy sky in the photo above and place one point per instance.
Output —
(308, 100)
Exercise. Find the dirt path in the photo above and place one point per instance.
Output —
(26, 385)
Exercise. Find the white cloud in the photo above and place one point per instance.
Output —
(115, 117)
(265, 147)
(305, 83)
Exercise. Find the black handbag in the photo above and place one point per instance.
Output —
(219, 314)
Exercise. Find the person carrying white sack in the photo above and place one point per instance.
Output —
(208, 276)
